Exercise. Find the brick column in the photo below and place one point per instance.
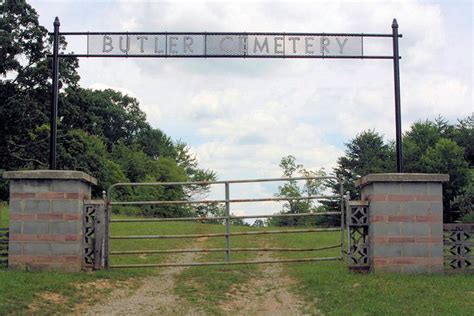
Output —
(46, 209)
(405, 221)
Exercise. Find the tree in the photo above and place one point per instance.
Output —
(25, 87)
(101, 132)
(156, 144)
(292, 192)
(447, 157)
(364, 154)
(464, 137)
(106, 113)
(79, 150)
(188, 161)
(428, 146)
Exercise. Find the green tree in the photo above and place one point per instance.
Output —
(447, 157)
(464, 137)
(24, 87)
(293, 192)
(79, 150)
(364, 154)
(188, 161)
(106, 113)
(156, 144)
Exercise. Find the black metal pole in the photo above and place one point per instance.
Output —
(54, 98)
(398, 111)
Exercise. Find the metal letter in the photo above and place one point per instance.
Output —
(225, 38)
(187, 42)
(156, 46)
(127, 43)
(294, 39)
(142, 38)
(172, 44)
(260, 47)
(278, 45)
(107, 42)
(308, 45)
(324, 44)
(341, 45)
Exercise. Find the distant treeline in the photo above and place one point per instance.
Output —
(430, 146)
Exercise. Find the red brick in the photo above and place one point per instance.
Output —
(377, 197)
(379, 239)
(21, 196)
(429, 198)
(378, 218)
(378, 261)
(400, 197)
(429, 239)
(71, 258)
(22, 217)
(406, 239)
(401, 239)
(50, 216)
(429, 218)
(49, 196)
(22, 237)
(44, 237)
(47, 237)
(43, 258)
(19, 259)
(401, 218)
(72, 217)
(72, 237)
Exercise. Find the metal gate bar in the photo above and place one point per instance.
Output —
(182, 219)
(313, 197)
(228, 218)
(192, 264)
(132, 252)
(268, 232)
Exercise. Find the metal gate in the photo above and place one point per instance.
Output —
(340, 200)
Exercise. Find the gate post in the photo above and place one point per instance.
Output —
(46, 219)
(405, 221)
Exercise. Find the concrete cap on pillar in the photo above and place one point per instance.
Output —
(401, 177)
(50, 174)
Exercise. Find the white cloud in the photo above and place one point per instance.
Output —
(241, 116)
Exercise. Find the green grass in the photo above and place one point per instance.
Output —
(329, 285)
(340, 292)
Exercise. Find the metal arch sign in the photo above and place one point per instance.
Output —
(224, 45)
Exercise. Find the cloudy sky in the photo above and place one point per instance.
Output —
(241, 116)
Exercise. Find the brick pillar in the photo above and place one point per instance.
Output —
(46, 209)
(405, 221)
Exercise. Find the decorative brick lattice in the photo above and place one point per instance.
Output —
(89, 235)
(458, 247)
(358, 232)
(4, 247)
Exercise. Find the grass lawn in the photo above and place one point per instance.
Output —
(340, 292)
(335, 290)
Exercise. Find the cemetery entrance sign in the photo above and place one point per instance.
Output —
(225, 45)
